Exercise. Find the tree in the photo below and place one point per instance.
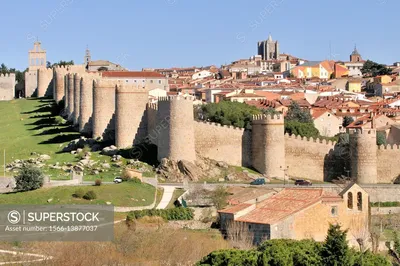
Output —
(295, 113)
(219, 197)
(4, 69)
(63, 63)
(335, 251)
(29, 178)
(374, 69)
(380, 138)
(301, 129)
(347, 120)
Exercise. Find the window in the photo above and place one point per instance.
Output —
(159, 82)
(151, 81)
(359, 201)
(350, 200)
(249, 226)
(334, 211)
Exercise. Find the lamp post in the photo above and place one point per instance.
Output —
(284, 173)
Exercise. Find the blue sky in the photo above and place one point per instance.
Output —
(167, 33)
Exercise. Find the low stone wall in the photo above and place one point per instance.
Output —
(384, 210)
(60, 183)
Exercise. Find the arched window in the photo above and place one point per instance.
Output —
(359, 201)
(350, 200)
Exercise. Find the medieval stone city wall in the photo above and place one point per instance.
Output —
(77, 95)
(31, 81)
(7, 87)
(223, 143)
(152, 130)
(308, 158)
(175, 120)
(268, 145)
(363, 154)
(104, 108)
(45, 82)
(86, 102)
(388, 161)
(130, 120)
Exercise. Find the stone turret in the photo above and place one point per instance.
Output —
(104, 108)
(59, 83)
(268, 145)
(77, 95)
(45, 76)
(363, 156)
(70, 94)
(86, 103)
(175, 124)
(130, 120)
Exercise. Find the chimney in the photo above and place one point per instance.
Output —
(372, 115)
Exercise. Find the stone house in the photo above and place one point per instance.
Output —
(326, 122)
(302, 213)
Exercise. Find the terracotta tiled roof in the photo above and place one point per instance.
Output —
(282, 205)
(316, 112)
(236, 208)
(131, 74)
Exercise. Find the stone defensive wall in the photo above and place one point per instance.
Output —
(309, 158)
(86, 102)
(130, 120)
(59, 73)
(31, 81)
(104, 108)
(44, 82)
(223, 143)
(388, 161)
(152, 130)
(7, 87)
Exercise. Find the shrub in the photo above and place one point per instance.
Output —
(135, 180)
(167, 214)
(97, 182)
(79, 193)
(58, 120)
(29, 178)
(385, 204)
(90, 195)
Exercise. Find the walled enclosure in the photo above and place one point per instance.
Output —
(70, 95)
(130, 121)
(7, 86)
(77, 95)
(104, 108)
(86, 102)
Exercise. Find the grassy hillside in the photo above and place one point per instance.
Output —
(126, 194)
(27, 125)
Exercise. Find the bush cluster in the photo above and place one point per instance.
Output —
(167, 214)
(333, 252)
(385, 204)
(29, 178)
(81, 194)
(98, 182)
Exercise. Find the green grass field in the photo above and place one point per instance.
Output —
(126, 194)
(28, 126)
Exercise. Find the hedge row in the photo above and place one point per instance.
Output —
(385, 204)
(167, 214)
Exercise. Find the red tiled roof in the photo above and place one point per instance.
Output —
(284, 204)
(131, 74)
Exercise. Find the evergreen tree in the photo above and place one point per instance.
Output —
(335, 251)
(295, 113)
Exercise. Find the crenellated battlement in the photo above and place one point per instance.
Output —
(106, 83)
(389, 147)
(45, 70)
(363, 132)
(7, 75)
(175, 98)
(268, 117)
(214, 125)
(152, 106)
(311, 140)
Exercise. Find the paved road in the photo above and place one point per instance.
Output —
(38, 258)
(167, 196)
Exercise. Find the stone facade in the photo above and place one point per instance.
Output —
(268, 145)
(175, 119)
(77, 94)
(7, 87)
(31, 81)
(45, 82)
(70, 95)
(86, 102)
(130, 120)
(104, 108)
(363, 154)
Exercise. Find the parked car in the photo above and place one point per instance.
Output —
(258, 181)
(117, 180)
(302, 182)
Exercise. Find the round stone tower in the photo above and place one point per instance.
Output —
(77, 95)
(268, 145)
(363, 156)
(59, 86)
(66, 85)
(71, 85)
(45, 76)
(103, 108)
(130, 124)
(175, 127)
(86, 103)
